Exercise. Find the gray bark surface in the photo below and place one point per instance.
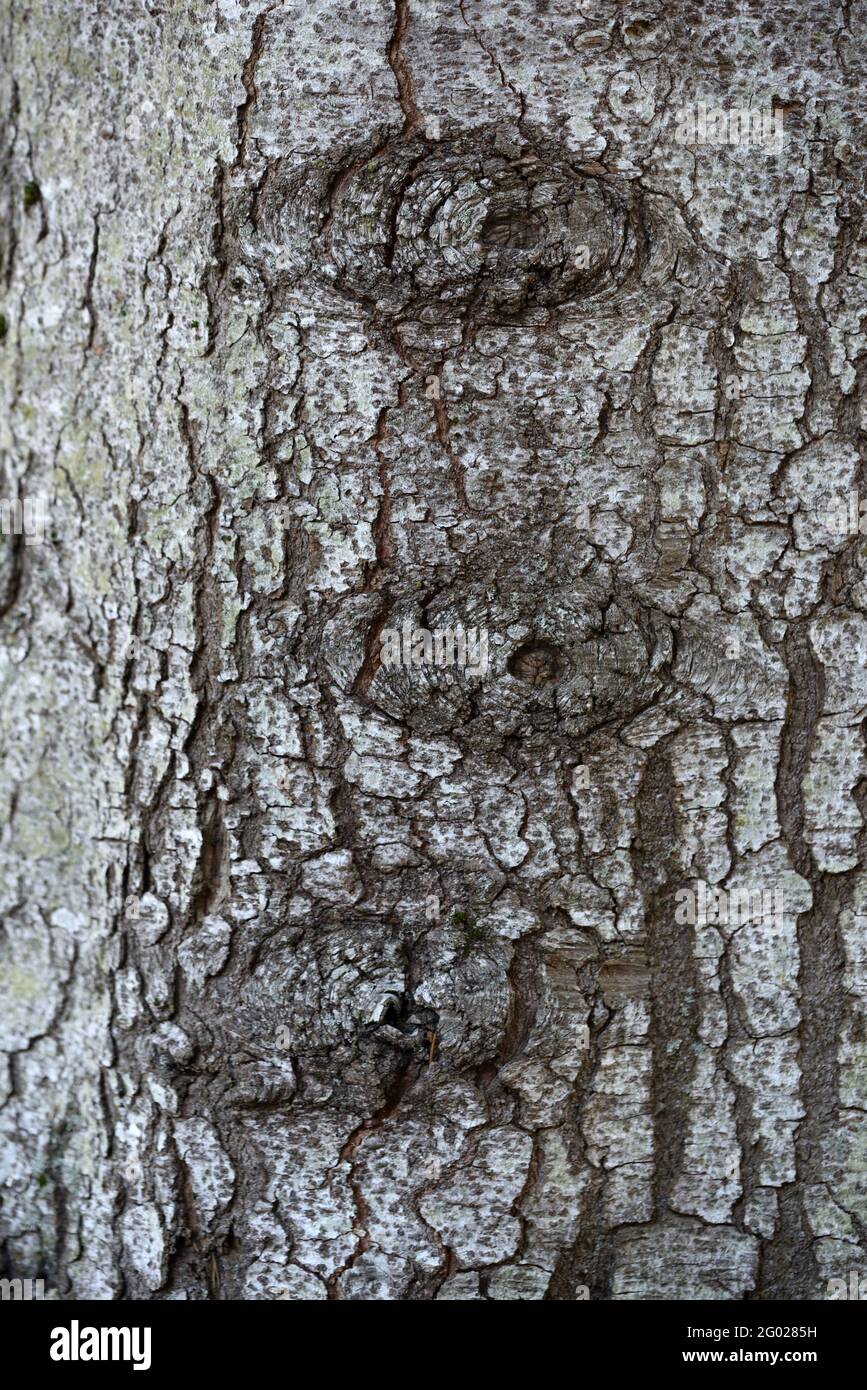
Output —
(321, 979)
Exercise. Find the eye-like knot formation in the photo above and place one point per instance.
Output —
(481, 228)
(449, 228)
(542, 660)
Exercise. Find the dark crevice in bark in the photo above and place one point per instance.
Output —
(788, 1261)
(400, 68)
(673, 982)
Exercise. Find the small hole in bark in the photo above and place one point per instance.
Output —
(536, 663)
(393, 1015)
(516, 230)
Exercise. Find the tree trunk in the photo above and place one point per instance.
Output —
(341, 959)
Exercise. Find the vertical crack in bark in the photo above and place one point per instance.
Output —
(14, 577)
(456, 468)
(788, 1260)
(87, 301)
(384, 554)
(497, 66)
(400, 68)
(673, 984)
(248, 77)
(9, 224)
(203, 739)
(401, 1084)
(214, 275)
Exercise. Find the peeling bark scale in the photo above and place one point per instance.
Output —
(433, 626)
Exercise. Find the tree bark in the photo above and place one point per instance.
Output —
(329, 978)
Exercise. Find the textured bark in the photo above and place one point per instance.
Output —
(326, 979)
